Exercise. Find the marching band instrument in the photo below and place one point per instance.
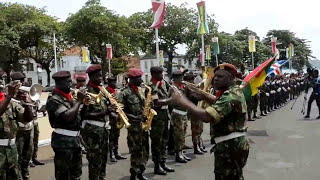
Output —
(147, 111)
(124, 119)
(195, 88)
(34, 93)
(92, 98)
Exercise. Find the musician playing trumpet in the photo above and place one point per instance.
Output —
(11, 113)
(64, 117)
(96, 127)
(228, 113)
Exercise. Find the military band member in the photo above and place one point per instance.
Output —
(179, 121)
(10, 114)
(81, 81)
(133, 101)
(96, 126)
(64, 117)
(25, 131)
(228, 112)
(159, 127)
(114, 132)
(315, 95)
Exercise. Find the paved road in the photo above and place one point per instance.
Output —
(284, 146)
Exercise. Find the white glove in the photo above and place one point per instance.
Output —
(267, 94)
(288, 88)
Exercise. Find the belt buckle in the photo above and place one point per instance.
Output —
(9, 142)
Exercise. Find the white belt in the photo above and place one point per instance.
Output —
(67, 132)
(164, 107)
(28, 125)
(228, 137)
(97, 123)
(35, 121)
(7, 142)
(179, 112)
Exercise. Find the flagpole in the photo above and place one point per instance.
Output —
(157, 44)
(203, 57)
(252, 60)
(55, 52)
(217, 61)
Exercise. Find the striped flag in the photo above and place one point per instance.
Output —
(203, 27)
(256, 78)
(275, 68)
(159, 9)
(85, 54)
(216, 49)
(252, 44)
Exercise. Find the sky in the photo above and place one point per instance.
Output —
(231, 15)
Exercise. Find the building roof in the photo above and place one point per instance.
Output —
(75, 50)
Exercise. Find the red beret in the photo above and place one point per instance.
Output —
(93, 68)
(134, 73)
(61, 75)
(17, 76)
(81, 78)
(228, 67)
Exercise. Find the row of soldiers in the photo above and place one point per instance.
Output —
(19, 129)
(274, 93)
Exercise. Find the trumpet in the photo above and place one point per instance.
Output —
(174, 88)
(34, 93)
(92, 98)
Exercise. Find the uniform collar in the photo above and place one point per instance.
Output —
(65, 95)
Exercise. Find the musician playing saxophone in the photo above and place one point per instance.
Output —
(115, 131)
(133, 101)
(159, 127)
(96, 126)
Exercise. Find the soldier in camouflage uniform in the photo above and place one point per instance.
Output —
(114, 132)
(96, 126)
(64, 117)
(179, 120)
(25, 131)
(132, 98)
(228, 111)
(159, 127)
(196, 125)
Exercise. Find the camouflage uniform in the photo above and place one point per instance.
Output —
(159, 133)
(9, 167)
(138, 139)
(25, 144)
(179, 121)
(36, 133)
(230, 155)
(96, 137)
(68, 157)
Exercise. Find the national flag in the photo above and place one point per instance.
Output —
(85, 54)
(256, 78)
(161, 58)
(159, 9)
(287, 53)
(109, 51)
(201, 56)
(275, 68)
(216, 49)
(208, 52)
(291, 50)
(203, 27)
(252, 44)
(274, 44)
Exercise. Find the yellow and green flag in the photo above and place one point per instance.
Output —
(208, 52)
(252, 44)
(203, 27)
(85, 54)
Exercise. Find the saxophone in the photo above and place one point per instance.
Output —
(147, 111)
(124, 119)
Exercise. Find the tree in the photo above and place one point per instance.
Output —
(94, 26)
(301, 46)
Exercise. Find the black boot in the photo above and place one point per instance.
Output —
(141, 177)
(197, 149)
(112, 157)
(180, 158)
(158, 169)
(133, 176)
(165, 167)
(307, 116)
(118, 155)
(202, 148)
(37, 162)
(185, 157)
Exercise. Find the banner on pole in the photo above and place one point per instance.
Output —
(85, 54)
(109, 51)
(216, 49)
(291, 50)
(203, 27)
(274, 44)
(252, 44)
(208, 52)
(201, 56)
(161, 63)
(159, 8)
